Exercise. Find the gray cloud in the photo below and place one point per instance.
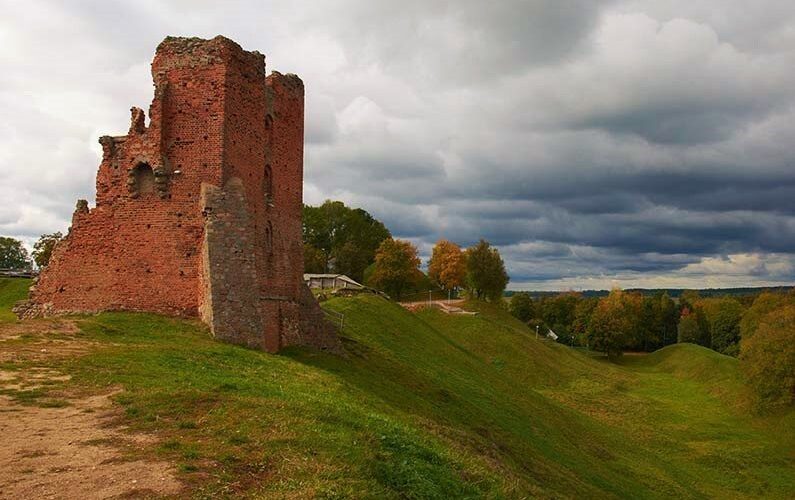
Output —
(634, 142)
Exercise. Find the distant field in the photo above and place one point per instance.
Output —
(429, 405)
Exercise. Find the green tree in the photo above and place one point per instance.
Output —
(12, 254)
(767, 358)
(522, 306)
(486, 275)
(314, 260)
(343, 239)
(42, 249)
(557, 313)
(723, 316)
(396, 268)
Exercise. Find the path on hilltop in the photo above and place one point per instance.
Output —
(59, 442)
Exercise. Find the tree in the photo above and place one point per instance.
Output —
(42, 249)
(343, 239)
(12, 254)
(396, 267)
(638, 316)
(486, 276)
(557, 313)
(723, 316)
(610, 326)
(767, 358)
(314, 260)
(693, 327)
(582, 320)
(522, 306)
(764, 304)
(447, 267)
(669, 319)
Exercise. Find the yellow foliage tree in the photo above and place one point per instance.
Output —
(767, 357)
(447, 267)
(611, 325)
(396, 267)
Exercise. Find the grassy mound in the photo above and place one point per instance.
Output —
(429, 405)
(719, 373)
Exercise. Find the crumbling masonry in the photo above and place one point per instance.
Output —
(198, 214)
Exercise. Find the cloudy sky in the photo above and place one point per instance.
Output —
(632, 143)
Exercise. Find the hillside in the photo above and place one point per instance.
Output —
(426, 406)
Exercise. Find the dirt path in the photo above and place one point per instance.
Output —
(67, 447)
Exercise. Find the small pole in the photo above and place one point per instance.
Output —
(430, 299)
(449, 296)
(536, 331)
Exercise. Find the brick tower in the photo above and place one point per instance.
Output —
(198, 214)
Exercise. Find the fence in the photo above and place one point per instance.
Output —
(337, 319)
(18, 273)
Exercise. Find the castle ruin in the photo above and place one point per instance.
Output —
(198, 213)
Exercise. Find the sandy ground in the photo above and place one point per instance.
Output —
(73, 451)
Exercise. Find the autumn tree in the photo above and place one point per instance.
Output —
(42, 249)
(447, 267)
(764, 304)
(582, 320)
(767, 357)
(486, 276)
(668, 319)
(396, 267)
(12, 254)
(638, 315)
(610, 326)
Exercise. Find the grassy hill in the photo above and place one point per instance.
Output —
(432, 406)
(11, 290)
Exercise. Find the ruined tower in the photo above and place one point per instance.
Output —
(198, 213)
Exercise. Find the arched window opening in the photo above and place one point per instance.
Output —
(144, 179)
(267, 185)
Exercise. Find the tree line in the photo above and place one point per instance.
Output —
(350, 241)
(14, 255)
(758, 328)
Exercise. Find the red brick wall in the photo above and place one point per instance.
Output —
(215, 118)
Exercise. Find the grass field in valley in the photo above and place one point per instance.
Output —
(429, 405)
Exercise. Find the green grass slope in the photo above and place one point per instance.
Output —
(11, 290)
(432, 406)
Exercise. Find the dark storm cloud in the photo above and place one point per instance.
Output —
(629, 142)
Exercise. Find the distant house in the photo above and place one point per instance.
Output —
(330, 281)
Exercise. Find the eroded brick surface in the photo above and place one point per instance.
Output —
(198, 213)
